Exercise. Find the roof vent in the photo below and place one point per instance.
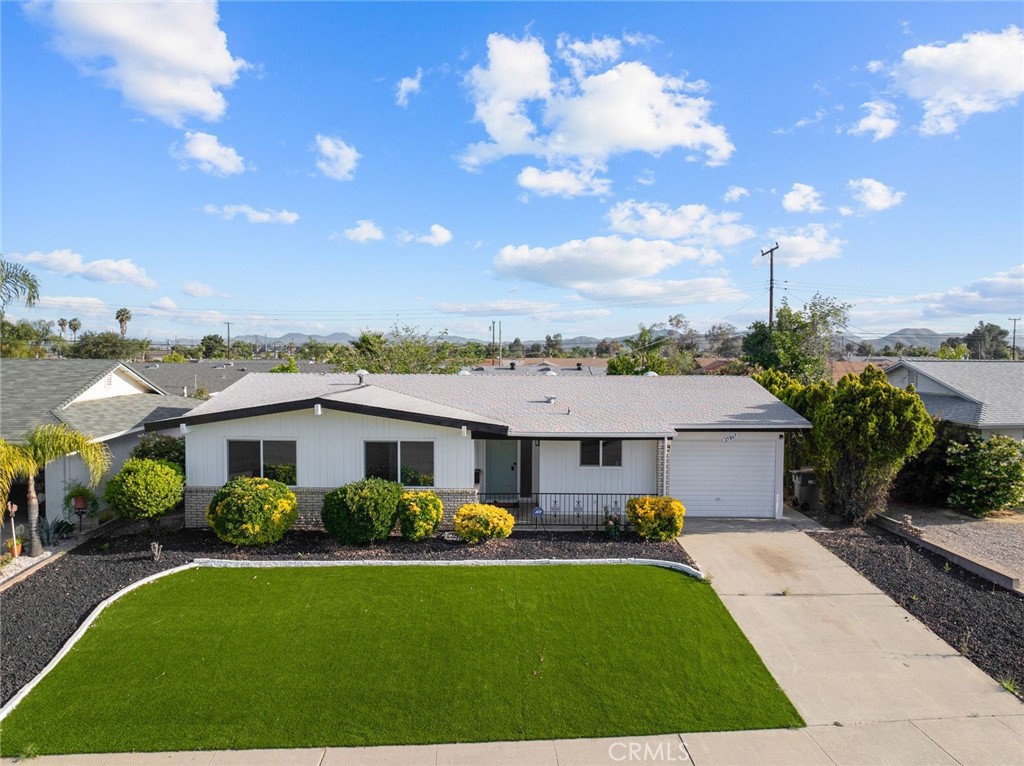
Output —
(511, 365)
(550, 398)
(464, 372)
(650, 374)
(579, 365)
(551, 373)
(361, 374)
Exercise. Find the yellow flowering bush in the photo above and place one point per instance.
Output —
(656, 518)
(252, 511)
(476, 522)
(419, 513)
(361, 512)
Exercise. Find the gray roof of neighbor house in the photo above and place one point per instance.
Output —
(990, 392)
(36, 392)
(212, 374)
(566, 407)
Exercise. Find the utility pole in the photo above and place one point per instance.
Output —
(499, 344)
(1013, 348)
(229, 338)
(770, 252)
(492, 342)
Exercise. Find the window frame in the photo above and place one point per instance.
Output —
(600, 454)
(258, 440)
(398, 457)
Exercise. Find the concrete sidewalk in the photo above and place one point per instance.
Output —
(874, 685)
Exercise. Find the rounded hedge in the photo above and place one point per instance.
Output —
(419, 514)
(144, 489)
(361, 512)
(656, 518)
(252, 511)
(477, 522)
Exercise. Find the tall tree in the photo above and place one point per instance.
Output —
(405, 350)
(17, 284)
(959, 351)
(74, 324)
(63, 325)
(107, 345)
(43, 445)
(724, 340)
(644, 354)
(682, 334)
(123, 317)
(516, 350)
(213, 347)
(553, 345)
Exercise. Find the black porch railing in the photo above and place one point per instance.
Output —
(543, 510)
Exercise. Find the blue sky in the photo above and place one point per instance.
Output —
(570, 168)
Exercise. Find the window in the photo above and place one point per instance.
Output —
(269, 459)
(411, 463)
(605, 453)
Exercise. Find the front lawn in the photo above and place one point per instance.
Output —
(281, 658)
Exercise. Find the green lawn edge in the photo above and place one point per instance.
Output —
(354, 656)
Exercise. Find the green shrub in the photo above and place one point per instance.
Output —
(362, 511)
(252, 511)
(477, 522)
(145, 489)
(987, 475)
(656, 518)
(419, 513)
(161, 447)
(925, 479)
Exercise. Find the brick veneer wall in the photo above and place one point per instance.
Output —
(311, 500)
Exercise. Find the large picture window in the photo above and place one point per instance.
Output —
(266, 458)
(411, 463)
(595, 453)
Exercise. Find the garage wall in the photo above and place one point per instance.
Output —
(733, 474)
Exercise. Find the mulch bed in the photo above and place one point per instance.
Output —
(39, 614)
(966, 611)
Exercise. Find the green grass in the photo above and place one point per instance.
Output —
(265, 658)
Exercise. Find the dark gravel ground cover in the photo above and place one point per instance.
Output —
(977, 618)
(39, 614)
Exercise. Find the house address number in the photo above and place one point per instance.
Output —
(729, 437)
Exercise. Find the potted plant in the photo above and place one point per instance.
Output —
(80, 500)
(14, 545)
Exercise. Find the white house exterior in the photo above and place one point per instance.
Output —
(554, 450)
(985, 394)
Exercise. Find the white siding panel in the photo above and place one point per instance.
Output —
(713, 476)
(329, 447)
(560, 470)
(117, 383)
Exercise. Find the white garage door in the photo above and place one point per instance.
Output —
(726, 474)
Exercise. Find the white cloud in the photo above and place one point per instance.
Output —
(209, 154)
(999, 294)
(640, 39)
(584, 120)
(875, 66)
(164, 304)
(438, 236)
(408, 86)
(873, 195)
(802, 198)
(200, 290)
(881, 120)
(562, 183)
(68, 263)
(845, 210)
(646, 177)
(365, 230)
(74, 305)
(252, 215)
(591, 261)
(337, 159)
(167, 59)
(665, 292)
(693, 224)
(806, 244)
(735, 194)
(982, 72)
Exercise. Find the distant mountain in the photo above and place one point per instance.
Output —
(911, 336)
(297, 338)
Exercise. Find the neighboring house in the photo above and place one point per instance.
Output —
(102, 398)
(843, 367)
(988, 395)
(212, 374)
(571, 446)
(588, 367)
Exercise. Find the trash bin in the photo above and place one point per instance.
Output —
(805, 487)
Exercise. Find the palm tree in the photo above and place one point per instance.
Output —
(16, 283)
(43, 445)
(63, 325)
(123, 317)
(74, 324)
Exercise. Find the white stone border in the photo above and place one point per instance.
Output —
(14, 701)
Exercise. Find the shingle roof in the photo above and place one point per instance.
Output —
(214, 375)
(117, 414)
(640, 406)
(997, 386)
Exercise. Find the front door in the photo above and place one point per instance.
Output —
(500, 470)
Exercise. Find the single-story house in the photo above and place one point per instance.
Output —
(985, 394)
(99, 397)
(554, 450)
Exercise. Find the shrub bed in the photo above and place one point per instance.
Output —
(477, 522)
(419, 514)
(656, 518)
(361, 512)
(252, 511)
